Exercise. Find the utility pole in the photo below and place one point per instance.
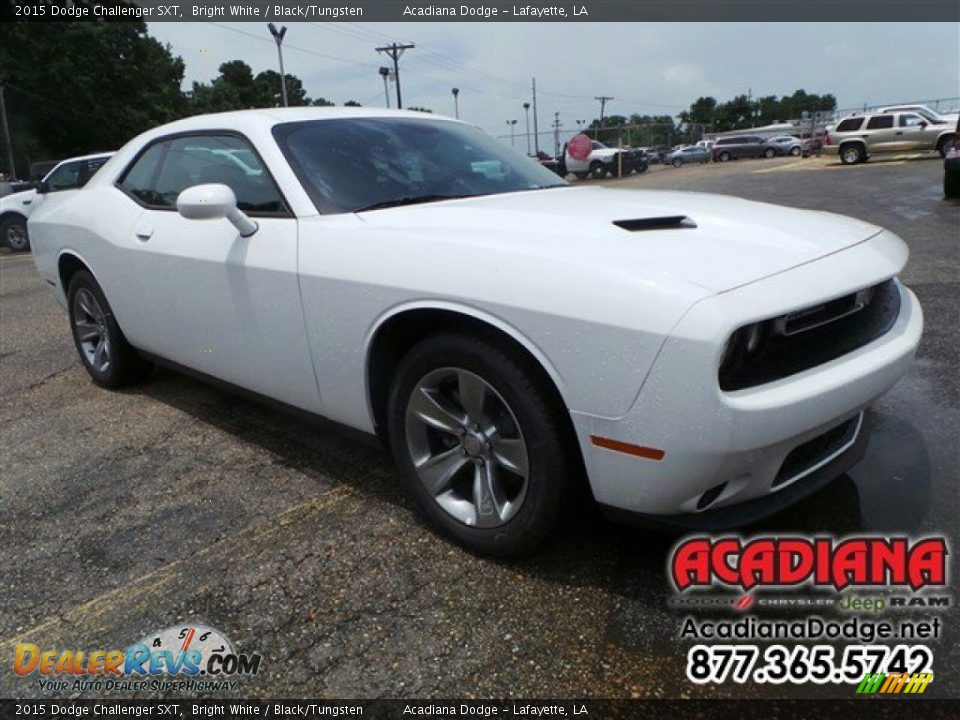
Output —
(526, 110)
(536, 131)
(394, 51)
(6, 135)
(556, 134)
(604, 99)
(511, 124)
(278, 38)
(456, 102)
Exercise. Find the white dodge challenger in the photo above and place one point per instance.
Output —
(700, 360)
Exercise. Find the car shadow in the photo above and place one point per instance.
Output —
(588, 551)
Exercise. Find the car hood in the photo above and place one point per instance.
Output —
(14, 201)
(727, 242)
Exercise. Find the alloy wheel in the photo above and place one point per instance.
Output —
(17, 236)
(90, 324)
(467, 447)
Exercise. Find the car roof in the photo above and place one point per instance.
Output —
(268, 117)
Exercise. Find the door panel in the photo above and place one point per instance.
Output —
(222, 304)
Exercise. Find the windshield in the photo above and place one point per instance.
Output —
(348, 165)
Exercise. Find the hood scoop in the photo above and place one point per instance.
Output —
(667, 222)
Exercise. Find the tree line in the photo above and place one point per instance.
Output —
(78, 87)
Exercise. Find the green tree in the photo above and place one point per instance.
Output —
(78, 87)
(269, 90)
(352, 103)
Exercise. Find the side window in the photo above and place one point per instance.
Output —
(910, 120)
(172, 166)
(64, 177)
(139, 179)
(880, 122)
(850, 124)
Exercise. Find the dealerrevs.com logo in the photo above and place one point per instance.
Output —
(838, 563)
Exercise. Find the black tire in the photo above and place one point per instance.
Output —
(598, 170)
(551, 467)
(580, 175)
(126, 366)
(951, 179)
(13, 233)
(676, 162)
(769, 153)
(852, 153)
(795, 151)
(723, 157)
(943, 145)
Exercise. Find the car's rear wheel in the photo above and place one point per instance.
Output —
(580, 175)
(794, 151)
(677, 162)
(13, 233)
(109, 359)
(723, 157)
(851, 154)
(769, 153)
(598, 170)
(479, 444)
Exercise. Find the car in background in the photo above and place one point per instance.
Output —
(689, 154)
(948, 118)
(696, 359)
(857, 137)
(15, 209)
(8, 187)
(789, 145)
(603, 161)
(743, 146)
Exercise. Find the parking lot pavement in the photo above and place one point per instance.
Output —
(125, 512)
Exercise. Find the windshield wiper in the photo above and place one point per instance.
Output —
(408, 200)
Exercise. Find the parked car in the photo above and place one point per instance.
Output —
(856, 137)
(603, 161)
(742, 146)
(8, 187)
(691, 154)
(789, 145)
(951, 166)
(932, 116)
(507, 336)
(15, 209)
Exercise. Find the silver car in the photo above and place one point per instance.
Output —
(692, 154)
(789, 145)
(855, 138)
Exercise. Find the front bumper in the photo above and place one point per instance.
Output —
(725, 450)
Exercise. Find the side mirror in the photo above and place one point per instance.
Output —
(923, 124)
(214, 202)
(43, 187)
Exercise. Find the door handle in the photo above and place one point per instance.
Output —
(899, 132)
(143, 232)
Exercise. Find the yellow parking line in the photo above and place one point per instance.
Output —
(145, 585)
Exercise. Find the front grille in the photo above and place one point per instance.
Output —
(792, 343)
(806, 457)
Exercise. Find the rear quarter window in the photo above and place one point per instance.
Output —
(850, 124)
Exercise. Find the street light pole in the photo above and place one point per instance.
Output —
(385, 73)
(511, 124)
(278, 38)
(456, 102)
(6, 135)
(526, 110)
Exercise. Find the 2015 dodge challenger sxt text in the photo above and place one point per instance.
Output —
(700, 360)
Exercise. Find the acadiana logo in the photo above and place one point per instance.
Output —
(183, 652)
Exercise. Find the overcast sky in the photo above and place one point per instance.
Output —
(648, 68)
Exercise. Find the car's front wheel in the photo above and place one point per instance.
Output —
(479, 444)
(795, 151)
(13, 233)
(769, 153)
(723, 157)
(109, 359)
(598, 170)
(677, 162)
